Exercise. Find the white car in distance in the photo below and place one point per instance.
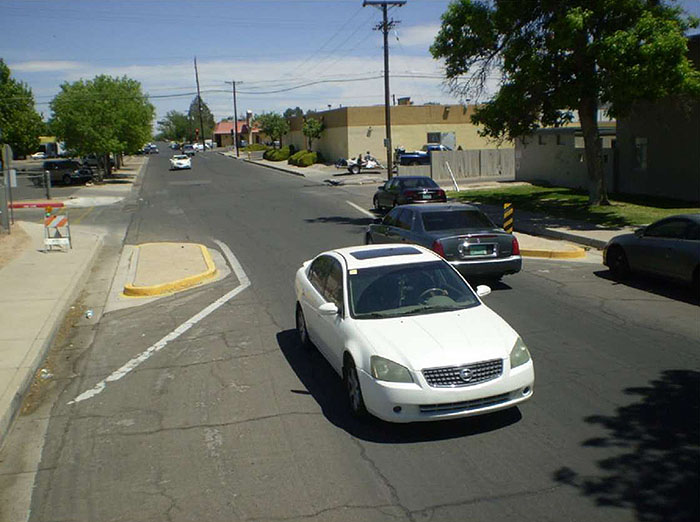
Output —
(410, 338)
(180, 161)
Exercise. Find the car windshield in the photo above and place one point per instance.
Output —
(444, 220)
(404, 290)
(418, 183)
(180, 157)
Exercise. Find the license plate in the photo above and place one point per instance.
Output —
(426, 196)
(479, 250)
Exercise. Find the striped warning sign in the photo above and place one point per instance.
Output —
(508, 214)
(56, 221)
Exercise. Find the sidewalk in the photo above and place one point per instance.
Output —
(37, 287)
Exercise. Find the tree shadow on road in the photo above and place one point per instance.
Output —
(342, 220)
(321, 382)
(657, 440)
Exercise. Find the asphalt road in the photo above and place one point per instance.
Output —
(234, 421)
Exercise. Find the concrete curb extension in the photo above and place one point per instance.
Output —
(554, 254)
(176, 285)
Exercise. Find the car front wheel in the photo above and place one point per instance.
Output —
(352, 389)
(301, 328)
(617, 262)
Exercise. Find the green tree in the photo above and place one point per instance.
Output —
(556, 57)
(207, 118)
(20, 124)
(175, 126)
(312, 129)
(272, 124)
(291, 113)
(102, 116)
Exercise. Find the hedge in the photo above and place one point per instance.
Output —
(305, 158)
(254, 147)
(277, 154)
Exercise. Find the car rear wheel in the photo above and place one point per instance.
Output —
(352, 388)
(617, 262)
(67, 179)
(301, 328)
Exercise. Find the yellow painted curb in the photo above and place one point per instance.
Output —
(554, 254)
(178, 284)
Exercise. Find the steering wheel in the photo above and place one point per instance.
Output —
(431, 292)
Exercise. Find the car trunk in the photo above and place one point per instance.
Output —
(465, 245)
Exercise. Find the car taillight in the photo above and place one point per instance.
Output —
(441, 194)
(410, 193)
(516, 247)
(437, 248)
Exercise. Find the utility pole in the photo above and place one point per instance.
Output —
(199, 104)
(235, 117)
(385, 26)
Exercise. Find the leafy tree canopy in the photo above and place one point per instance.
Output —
(273, 124)
(290, 113)
(20, 124)
(557, 56)
(175, 126)
(312, 129)
(207, 119)
(102, 115)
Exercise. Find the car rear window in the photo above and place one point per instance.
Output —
(418, 183)
(455, 219)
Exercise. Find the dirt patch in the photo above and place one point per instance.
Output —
(14, 244)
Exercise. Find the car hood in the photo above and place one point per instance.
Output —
(439, 339)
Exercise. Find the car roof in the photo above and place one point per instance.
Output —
(368, 256)
(412, 177)
(440, 207)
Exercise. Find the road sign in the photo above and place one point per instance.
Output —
(57, 232)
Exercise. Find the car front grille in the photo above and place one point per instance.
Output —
(467, 375)
(447, 407)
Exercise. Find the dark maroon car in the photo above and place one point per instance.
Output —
(401, 190)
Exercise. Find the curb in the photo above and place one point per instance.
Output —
(553, 254)
(174, 286)
(37, 204)
(273, 167)
(574, 238)
(39, 352)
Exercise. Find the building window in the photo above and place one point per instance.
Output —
(433, 137)
(640, 153)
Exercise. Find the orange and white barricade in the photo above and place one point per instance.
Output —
(57, 232)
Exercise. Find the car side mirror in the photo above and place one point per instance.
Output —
(381, 187)
(483, 290)
(639, 232)
(328, 309)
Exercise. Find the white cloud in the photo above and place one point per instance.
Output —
(45, 66)
(418, 35)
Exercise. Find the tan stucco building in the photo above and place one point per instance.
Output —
(350, 131)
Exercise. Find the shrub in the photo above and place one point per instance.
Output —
(255, 146)
(277, 154)
(294, 158)
(307, 159)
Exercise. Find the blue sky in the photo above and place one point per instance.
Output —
(268, 45)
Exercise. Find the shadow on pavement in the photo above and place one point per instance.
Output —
(664, 288)
(341, 220)
(325, 386)
(656, 441)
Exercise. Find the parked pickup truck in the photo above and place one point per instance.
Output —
(419, 157)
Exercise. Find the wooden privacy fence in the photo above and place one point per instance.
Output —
(473, 165)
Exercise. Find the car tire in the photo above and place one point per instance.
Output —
(617, 262)
(353, 391)
(302, 331)
(368, 239)
(375, 203)
(67, 179)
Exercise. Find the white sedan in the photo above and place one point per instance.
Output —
(180, 161)
(39, 155)
(410, 338)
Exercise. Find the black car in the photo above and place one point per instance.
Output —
(669, 248)
(401, 190)
(66, 171)
(462, 234)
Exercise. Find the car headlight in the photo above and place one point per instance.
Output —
(519, 354)
(386, 370)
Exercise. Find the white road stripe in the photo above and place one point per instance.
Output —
(155, 348)
(362, 210)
